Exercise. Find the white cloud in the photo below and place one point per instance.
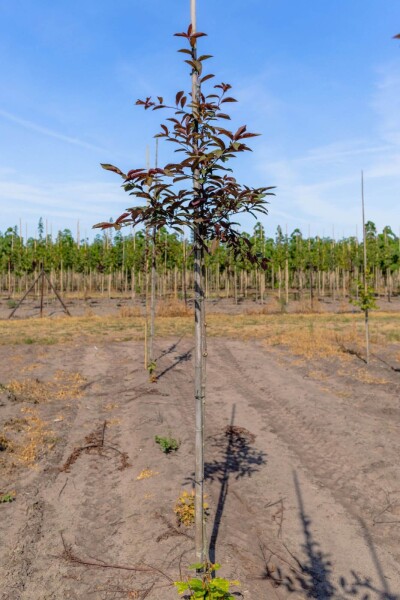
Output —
(62, 204)
(323, 186)
(49, 132)
(386, 102)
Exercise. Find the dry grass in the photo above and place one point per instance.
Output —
(184, 508)
(130, 312)
(275, 306)
(307, 335)
(173, 308)
(272, 306)
(313, 338)
(146, 474)
(61, 330)
(34, 438)
(364, 376)
(63, 385)
(304, 307)
(317, 374)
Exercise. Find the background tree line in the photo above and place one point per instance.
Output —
(113, 262)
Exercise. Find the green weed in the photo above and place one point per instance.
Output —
(167, 444)
(7, 497)
(151, 368)
(207, 586)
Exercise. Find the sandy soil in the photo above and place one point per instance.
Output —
(304, 501)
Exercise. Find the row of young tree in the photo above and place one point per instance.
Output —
(114, 262)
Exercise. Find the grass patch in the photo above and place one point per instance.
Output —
(173, 308)
(307, 335)
(34, 439)
(63, 385)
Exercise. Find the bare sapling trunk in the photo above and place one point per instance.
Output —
(366, 322)
(146, 283)
(200, 386)
(286, 281)
(41, 291)
(151, 359)
(153, 273)
(311, 289)
(200, 354)
(184, 272)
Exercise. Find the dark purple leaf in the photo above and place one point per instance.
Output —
(108, 167)
(205, 78)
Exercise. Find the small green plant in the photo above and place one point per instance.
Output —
(184, 509)
(167, 444)
(7, 497)
(11, 303)
(206, 586)
(151, 368)
(365, 298)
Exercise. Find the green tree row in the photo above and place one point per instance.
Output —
(295, 261)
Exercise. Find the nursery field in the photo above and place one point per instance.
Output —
(302, 453)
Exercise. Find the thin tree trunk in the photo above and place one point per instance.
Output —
(41, 291)
(200, 353)
(365, 269)
(286, 282)
(153, 275)
(279, 282)
(235, 285)
(152, 299)
(133, 284)
(184, 284)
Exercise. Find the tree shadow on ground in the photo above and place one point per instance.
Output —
(172, 348)
(184, 357)
(237, 459)
(314, 578)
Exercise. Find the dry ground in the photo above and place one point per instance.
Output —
(304, 500)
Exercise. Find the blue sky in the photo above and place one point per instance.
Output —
(319, 80)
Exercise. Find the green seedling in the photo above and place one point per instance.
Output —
(8, 497)
(167, 444)
(151, 368)
(206, 586)
(365, 299)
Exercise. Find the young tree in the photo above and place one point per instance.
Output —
(366, 294)
(198, 193)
